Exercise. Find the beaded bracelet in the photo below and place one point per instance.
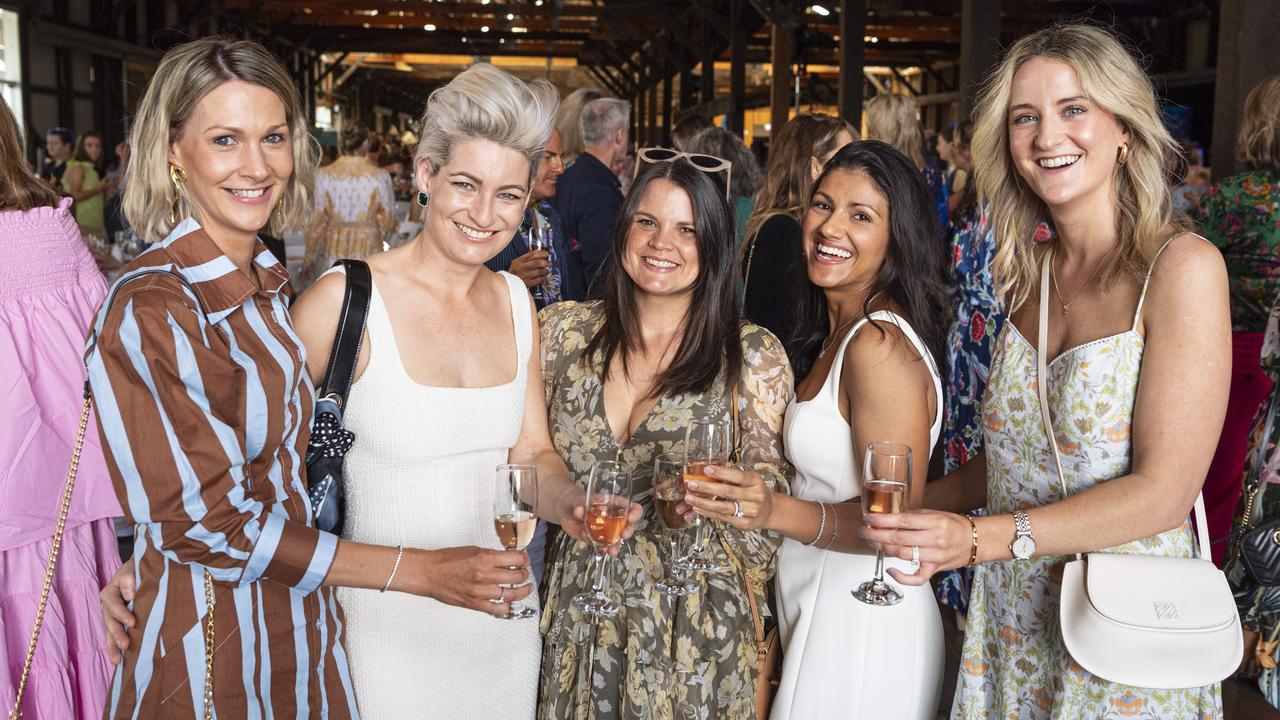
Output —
(973, 551)
(822, 525)
(394, 568)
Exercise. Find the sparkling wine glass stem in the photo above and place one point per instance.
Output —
(879, 567)
(602, 565)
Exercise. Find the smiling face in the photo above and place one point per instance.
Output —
(1063, 144)
(846, 231)
(549, 169)
(477, 201)
(660, 254)
(236, 154)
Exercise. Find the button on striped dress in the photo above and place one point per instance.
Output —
(204, 406)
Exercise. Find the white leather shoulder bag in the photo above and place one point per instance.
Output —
(1142, 620)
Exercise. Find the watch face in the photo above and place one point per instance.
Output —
(1023, 547)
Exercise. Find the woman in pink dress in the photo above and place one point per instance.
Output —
(49, 290)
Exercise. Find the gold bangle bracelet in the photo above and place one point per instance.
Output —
(973, 551)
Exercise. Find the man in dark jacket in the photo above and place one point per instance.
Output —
(589, 196)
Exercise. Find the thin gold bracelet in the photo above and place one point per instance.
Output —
(973, 551)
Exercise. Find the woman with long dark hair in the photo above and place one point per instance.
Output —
(624, 377)
(874, 323)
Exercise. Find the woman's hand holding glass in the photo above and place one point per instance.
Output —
(739, 498)
(515, 496)
(941, 540)
(668, 502)
(571, 514)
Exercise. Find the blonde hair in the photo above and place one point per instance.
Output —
(1112, 79)
(788, 180)
(569, 120)
(895, 120)
(486, 103)
(1258, 143)
(186, 74)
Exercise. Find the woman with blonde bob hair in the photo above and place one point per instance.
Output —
(1137, 349)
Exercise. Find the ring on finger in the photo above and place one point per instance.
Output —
(502, 593)
(737, 509)
(915, 556)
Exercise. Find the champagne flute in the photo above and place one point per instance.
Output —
(537, 241)
(886, 485)
(668, 493)
(515, 495)
(706, 442)
(608, 501)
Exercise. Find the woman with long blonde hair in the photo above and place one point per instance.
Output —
(894, 118)
(775, 282)
(1138, 356)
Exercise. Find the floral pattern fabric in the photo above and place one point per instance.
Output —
(660, 658)
(1013, 663)
(355, 209)
(975, 326)
(1241, 215)
(1259, 504)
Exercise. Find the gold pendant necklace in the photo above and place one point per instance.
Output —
(1053, 271)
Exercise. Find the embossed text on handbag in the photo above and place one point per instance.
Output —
(1142, 620)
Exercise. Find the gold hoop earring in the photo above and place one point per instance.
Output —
(1122, 156)
(177, 177)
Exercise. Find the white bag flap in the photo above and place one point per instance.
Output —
(1159, 593)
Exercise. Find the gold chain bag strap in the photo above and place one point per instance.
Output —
(63, 508)
(768, 645)
(16, 712)
(1143, 620)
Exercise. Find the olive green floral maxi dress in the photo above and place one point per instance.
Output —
(660, 657)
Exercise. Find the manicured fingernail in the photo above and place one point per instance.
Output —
(711, 469)
(691, 484)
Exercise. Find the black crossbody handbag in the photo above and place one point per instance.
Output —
(1260, 546)
(330, 441)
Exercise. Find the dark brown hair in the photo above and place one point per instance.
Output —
(710, 341)
(354, 136)
(20, 189)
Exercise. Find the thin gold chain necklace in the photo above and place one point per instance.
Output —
(1053, 270)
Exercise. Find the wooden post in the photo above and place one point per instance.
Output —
(737, 66)
(853, 28)
(979, 47)
(780, 85)
(651, 105)
(1247, 30)
(667, 79)
(708, 61)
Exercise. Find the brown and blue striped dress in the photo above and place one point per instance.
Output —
(204, 406)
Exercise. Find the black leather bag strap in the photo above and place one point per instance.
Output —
(346, 343)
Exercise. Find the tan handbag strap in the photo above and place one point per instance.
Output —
(63, 508)
(757, 619)
(1042, 386)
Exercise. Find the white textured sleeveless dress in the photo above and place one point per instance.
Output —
(842, 658)
(421, 475)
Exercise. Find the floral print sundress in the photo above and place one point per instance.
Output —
(1013, 663)
(659, 658)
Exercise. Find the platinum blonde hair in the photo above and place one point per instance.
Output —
(485, 103)
(1111, 78)
(603, 117)
(186, 74)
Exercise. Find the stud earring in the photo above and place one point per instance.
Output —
(423, 199)
(1122, 156)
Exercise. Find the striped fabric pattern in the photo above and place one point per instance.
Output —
(204, 408)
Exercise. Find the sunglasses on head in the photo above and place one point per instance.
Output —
(709, 164)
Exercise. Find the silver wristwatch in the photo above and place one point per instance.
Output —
(1024, 544)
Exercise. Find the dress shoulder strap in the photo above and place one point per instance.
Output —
(1142, 297)
(521, 319)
